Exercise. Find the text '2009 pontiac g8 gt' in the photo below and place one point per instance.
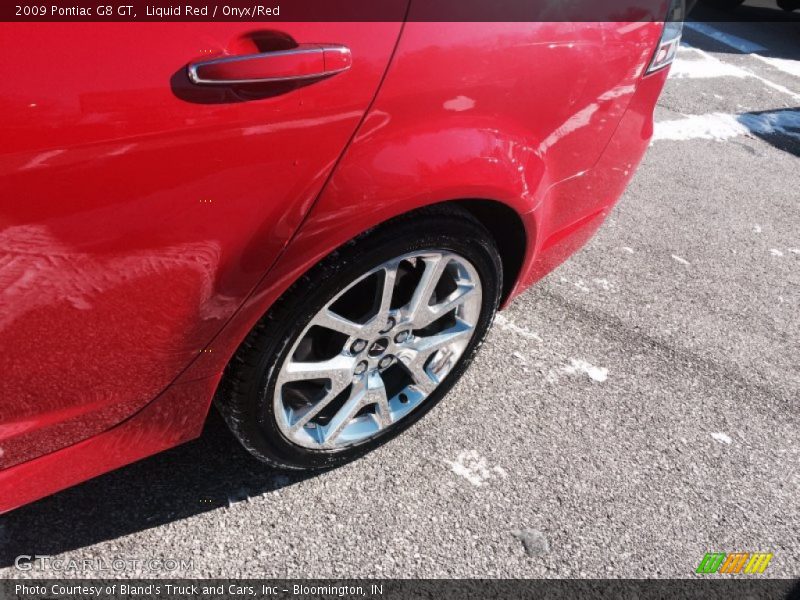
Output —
(311, 224)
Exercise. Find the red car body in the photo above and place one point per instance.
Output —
(146, 224)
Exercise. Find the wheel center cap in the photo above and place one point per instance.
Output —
(378, 347)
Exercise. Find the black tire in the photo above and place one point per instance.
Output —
(788, 5)
(245, 395)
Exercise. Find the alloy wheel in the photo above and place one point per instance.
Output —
(377, 350)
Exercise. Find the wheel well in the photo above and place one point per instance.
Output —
(508, 232)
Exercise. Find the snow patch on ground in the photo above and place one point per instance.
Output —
(535, 542)
(475, 468)
(721, 126)
(580, 366)
(702, 66)
(507, 325)
(597, 282)
(519, 357)
(775, 252)
(713, 126)
(581, 286)
(787, 65)
(783, 122)
(721, 438)
(712, 67)
(603, 283)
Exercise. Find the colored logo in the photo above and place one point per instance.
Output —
(737, 562)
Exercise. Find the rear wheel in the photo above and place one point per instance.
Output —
(366, 343)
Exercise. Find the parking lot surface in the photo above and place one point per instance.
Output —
(633, 411)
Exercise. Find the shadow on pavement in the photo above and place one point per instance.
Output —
(208, 473)
(751, 11)
(780, 128)
(777, 34)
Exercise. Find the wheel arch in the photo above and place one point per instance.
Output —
(508, 230)
(503, 222)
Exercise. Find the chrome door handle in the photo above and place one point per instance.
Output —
(306, 61)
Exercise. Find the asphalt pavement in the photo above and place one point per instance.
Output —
(633, 411)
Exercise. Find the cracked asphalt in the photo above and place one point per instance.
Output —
(634, 410)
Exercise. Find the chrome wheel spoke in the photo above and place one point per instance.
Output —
(387, 291)
(422, 379)
(454, 300)
(429, 344)
(419, 308)
(376, 394)
(330, 320)
(343, 418)
(367, 392)
(305, 415)
(339, 370)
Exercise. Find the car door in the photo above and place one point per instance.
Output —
(139, 208)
